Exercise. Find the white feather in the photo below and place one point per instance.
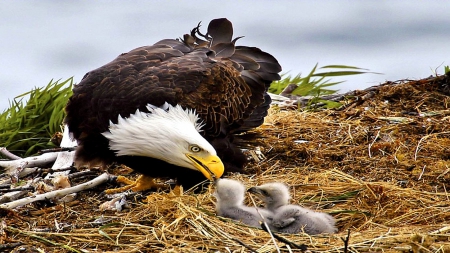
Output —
(164, 133)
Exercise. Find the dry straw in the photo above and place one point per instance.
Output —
(379, 166)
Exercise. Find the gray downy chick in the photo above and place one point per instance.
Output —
(292, 219)
(230, 204)
(274, 195)
(295, 219)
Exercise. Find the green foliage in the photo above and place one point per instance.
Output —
(25, 128)
(447, 70)
(315, 84)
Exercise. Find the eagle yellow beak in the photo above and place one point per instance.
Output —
(211, 166)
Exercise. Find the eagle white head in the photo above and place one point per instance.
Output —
(168, 133)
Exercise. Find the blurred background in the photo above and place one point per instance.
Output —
(44, 40)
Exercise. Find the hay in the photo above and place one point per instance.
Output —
(379, 166)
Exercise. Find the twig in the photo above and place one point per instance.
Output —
(243, 244)
(350, 133)
(80, 174)
(422, 139)
(26, 188)
(12, 196)
(443, 173)
(14, 167)
(445, 191)
(302, 247)
(441, 230)
(25, 172)
(375, 240)
(52, 150)
(287, 91)
(418, 146)
(421, 173)
(8, 154)
(58, 193)
(371, 144)
(9, 245)
(346, 241)
(265, 224)
(416, 247)
(50, 170)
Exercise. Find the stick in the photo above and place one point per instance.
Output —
(421, 174)
(265, 224)
(12, 196)
(25, 172)
(80, 174)
(8, 154)
(443, 173)
(10, 245)
(59, 193)
(346, 241)
(302, 247)
(26, 188)
(33, 161)
(61, 149)
(422, 139)
(441, 230)
(243, 244)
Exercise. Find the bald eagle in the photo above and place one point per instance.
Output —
(172, 109)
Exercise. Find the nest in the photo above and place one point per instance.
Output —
(379, 165)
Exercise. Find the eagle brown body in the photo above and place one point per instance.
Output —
(225, 84)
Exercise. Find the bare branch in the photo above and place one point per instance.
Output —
(58, 193)
(12, 196)
(8, 154)
(346, 241)
(243, 244)
(25, 188)
(15, 167)
(53, 150)
(33, 161)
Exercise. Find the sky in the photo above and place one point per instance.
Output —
(45, 40)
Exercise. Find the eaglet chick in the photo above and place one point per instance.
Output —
(230, 204)
(288, 218)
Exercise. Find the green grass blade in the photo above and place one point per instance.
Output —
(340, 67)
(25, 128)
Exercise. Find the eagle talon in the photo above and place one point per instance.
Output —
(142, 183)
(127, 181)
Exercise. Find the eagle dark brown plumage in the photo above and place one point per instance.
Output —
(225, 84)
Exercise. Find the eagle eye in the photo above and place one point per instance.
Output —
(195, 148)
